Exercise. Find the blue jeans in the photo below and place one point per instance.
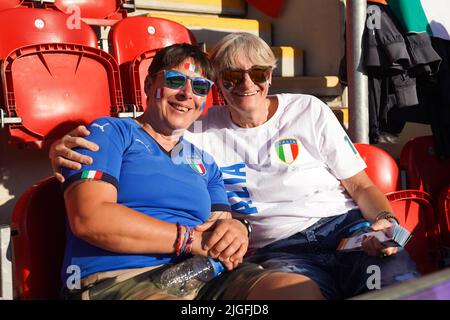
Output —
(340, 275)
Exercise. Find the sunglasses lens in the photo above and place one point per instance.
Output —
(258, 75)
(201, 86)
(175, 81)
(233, 77)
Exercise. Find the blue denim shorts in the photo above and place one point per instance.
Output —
(340, 275)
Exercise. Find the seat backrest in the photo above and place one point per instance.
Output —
(8, 4)
(416, 214)
(55, 87)
(444, 215)
(269, 7)
(132, 36)
(38, 237)
(381, 167)
(27, 26)
(92, 9)
(424, 170)
(135, 40)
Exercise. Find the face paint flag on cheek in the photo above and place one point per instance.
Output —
(159, 93)
(198, 102)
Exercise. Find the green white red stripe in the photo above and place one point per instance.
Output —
(159, 93)
(190, 67)
(198, 167)
(91, 174)
(287, 150)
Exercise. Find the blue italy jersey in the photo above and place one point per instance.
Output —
(182, 186)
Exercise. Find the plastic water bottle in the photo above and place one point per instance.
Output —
(186, 276)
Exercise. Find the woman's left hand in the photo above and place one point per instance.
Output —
(228, 241)
(373, 247)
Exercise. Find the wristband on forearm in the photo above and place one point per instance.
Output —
(247, 225)
(387, 215)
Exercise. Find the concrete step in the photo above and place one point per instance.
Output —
(211, 29)
(333, 102)
(326, 86)
(236, 8)
(327, 89)
(341, 114)
(289, 61)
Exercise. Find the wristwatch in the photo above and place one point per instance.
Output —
(247, 225)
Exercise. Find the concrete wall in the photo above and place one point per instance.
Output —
(315, 26)
(411, 130)
(19, 169)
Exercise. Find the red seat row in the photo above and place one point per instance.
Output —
(425, 182)
(423, 170)
(413, 208)
(102, 12)
(54, 78)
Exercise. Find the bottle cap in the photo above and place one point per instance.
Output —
(362, 225)
(217, 266)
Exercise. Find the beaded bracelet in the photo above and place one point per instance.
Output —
(185, 239)
(387, 215)
(178, 241)
(190, 241)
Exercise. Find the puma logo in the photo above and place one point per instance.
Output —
(141, 142)
(99, 126)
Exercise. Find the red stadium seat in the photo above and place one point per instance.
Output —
(55, 87)
(413, 207)
(416, 214)
(8, 4)
(139, 69)
(95, 9)
(424, 170)
(135, 35)
(38, 237)
(93, 12)
(53, 77)
(270, 7)
(134, 42)
(444, 215)
(36, 26)
(381, 167)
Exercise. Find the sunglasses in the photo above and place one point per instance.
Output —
(177, 80)
(233, 77)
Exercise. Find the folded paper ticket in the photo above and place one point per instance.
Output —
(395, 236)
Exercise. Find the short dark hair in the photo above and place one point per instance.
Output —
(173, 55)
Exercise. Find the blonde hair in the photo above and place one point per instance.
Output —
(227, 52)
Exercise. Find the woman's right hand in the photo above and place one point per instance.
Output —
(222, 239)
(62, 155)
(198, 247)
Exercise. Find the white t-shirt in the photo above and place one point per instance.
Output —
(283, 175)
